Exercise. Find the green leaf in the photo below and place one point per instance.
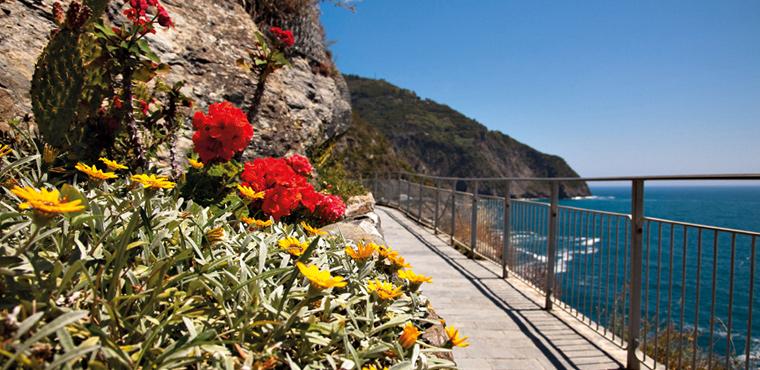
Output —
(105, 30)
(71, 193)
(27, 324)
(71, 355)
(59, 322)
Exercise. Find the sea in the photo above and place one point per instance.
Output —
(736, 207)
(672, 261)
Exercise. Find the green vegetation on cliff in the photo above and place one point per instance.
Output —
(433, 138)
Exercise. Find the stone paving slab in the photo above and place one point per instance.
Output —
(508, 328)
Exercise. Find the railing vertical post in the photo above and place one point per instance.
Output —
(409, 196)
(453, 210)
(551, 247)
(637, 228)
(419, 203)
(375, 186)
(507, 230)
(474, 220)
(398, 185)
(437, 206)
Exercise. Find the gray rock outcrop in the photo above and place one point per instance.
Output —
(303, 106)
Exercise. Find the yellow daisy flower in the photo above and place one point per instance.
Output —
(153, 181)
(372, 367)
(5, 150)
(397, 260)
(215, 235)
(320, 279)
(293, 245)
(267, 364)
(312, 230)
(409, 335)
(383, 289)
(362, 251)
(45, 201)
(413, 278)
(195, 164)
(249, 193)
(454, 338)
(257, 223)
(94, 172)
(49, 154)
(382, 250)
(113, 165)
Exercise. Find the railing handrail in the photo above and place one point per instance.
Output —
(692, 177)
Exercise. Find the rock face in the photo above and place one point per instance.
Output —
(362, 224)
(302, 106)
(24, 30)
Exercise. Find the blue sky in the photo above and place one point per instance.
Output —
(614, 87)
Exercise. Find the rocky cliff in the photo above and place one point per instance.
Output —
(434, 139)
(303, 105)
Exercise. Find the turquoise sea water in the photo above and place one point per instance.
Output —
(735, 207)
(688, 300)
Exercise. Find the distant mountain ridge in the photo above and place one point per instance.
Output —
(432, 138)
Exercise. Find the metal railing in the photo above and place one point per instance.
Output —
(666, 291)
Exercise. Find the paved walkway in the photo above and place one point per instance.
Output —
(507, 327)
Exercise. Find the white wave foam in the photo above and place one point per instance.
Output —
(537, 257)
(594, 197)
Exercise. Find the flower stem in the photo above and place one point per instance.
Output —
(134, 133)
(28, 244)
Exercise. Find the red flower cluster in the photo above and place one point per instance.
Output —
(284, 180)
(144, 107)
(284, 36)
(222, 133)
(330, 208)
(300, 164)
(137, 13)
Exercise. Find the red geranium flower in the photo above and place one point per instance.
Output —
(310, 198)
(300, 164)
(222, 133)
(163, 16)
(285, 185)
(284, 36)
(279, 202)
(331, 208)
(265, 173)
(144, 107)
(137, 13)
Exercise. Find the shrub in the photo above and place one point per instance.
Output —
(127, 274)
(119, 267)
